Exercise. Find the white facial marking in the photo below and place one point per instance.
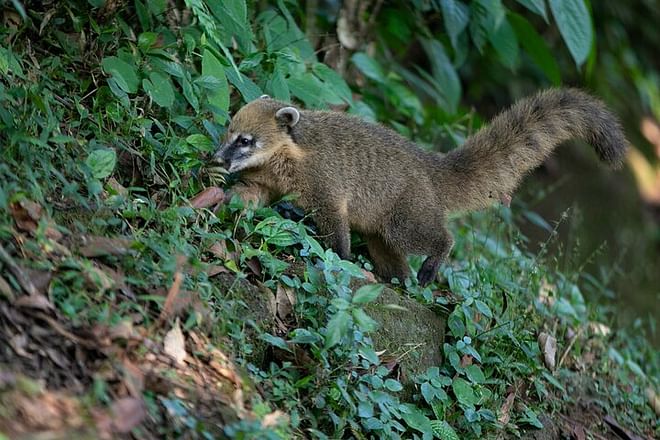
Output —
(250, 162)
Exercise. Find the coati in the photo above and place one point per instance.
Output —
(357, 175)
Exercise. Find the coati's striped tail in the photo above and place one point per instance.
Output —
(492, 162)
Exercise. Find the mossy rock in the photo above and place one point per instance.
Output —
(414, 336)
(259, 308)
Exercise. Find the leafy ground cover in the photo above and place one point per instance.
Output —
(137, 299)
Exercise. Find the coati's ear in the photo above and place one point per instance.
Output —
(288, 116)
(264, 97)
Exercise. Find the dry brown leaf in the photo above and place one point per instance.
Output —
(285, 299)
(505, 411)
(369, 276)
(26, 214)
(133, 378)
(214, 269)
(116, 186)
(175, 344)
(273, 419)
(548, 346)
(127, 413)
(254, 265)
(5, 289)
(208, 197)
(94, 246)
(654, 400)
(172, 295)
(219, 249)
(38, 301)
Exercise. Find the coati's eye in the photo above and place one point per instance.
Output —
(245, 141)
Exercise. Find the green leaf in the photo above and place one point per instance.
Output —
(575, 27)
(277, 231)
(334, 82)
(123, 73)
(536, 6)
(537, 220)
(159, 87)
(200, 141)
(445, 74)
(416, 419)
(393, 385)
(456, 16)
(275, 341)
(443, 430)
(337, 328)
(475, 374)
(505, 43)
(219, 99)
(365, 322)
(536, 48)
(464, 392)
(483, 308)
(367, 293)
(249, 90)
(102, 162)
(368, 66)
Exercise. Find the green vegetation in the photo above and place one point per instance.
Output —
(109, 111)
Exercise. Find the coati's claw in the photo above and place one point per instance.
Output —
(428, 271)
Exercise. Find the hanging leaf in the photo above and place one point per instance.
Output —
(536, 47)
(368, 293)
(369, 67)
(219, 98)
(536, 6)
(456, 17)
(575, 27)
(505, 43)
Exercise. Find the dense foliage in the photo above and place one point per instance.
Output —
(109, 111)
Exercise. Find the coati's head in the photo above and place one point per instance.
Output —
(255, 133)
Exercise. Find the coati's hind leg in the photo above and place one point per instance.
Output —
(417, 227)
(388, 262)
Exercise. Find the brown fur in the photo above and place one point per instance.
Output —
(353, 174)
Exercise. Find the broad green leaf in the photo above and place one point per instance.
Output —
(367, 293)
(278, 232)
(536, 6)
(102, 162)
(219, 99)
(445, 74)
(393, 385)
(232, 17)
(443, 430)
(365, 322)
(159, 87)
(308, 89)
(416, 419)
(249, 90)
(333, 81)
(575, 27)
(123, 73)
(456, 16)
(200, 141)
(505, 43)
(275, 341)
(337, 328)
(369, 67)
(536, 48)
(475, 374)
(464, 392)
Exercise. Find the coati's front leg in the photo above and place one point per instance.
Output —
(254, 194)
(335, 230)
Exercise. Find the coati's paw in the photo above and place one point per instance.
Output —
(428, 271)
